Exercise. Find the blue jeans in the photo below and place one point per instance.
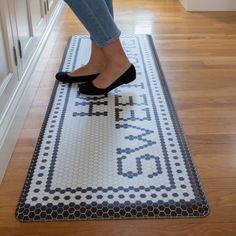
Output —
(97, 17)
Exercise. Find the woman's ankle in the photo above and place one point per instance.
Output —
(119, 63)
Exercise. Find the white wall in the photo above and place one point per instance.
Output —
(209, 5)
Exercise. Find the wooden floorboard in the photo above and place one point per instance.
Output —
(198, 56)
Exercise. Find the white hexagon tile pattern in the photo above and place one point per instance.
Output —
(117, 156)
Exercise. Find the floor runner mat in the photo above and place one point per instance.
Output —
(117, 156)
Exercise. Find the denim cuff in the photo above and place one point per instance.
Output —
(111, 40)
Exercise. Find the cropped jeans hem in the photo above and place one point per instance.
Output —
(109, 41)
(97, 17)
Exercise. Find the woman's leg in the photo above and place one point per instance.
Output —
(96, 18)
(95, 64)
(116, 64)
(97, 60)
(84, 10)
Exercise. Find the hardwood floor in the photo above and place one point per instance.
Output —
(198, 55)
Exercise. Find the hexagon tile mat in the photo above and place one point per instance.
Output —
(116, 156)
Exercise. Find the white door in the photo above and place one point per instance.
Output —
(8, 60)
(21, 22)
(37, 15)
(50, 5)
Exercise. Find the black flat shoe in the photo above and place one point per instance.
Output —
(128, 76)
(65, 78)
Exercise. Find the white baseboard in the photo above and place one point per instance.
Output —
(209, 5)
(20, 103)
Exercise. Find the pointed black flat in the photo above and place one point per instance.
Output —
(65, 78)
(128, 76)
